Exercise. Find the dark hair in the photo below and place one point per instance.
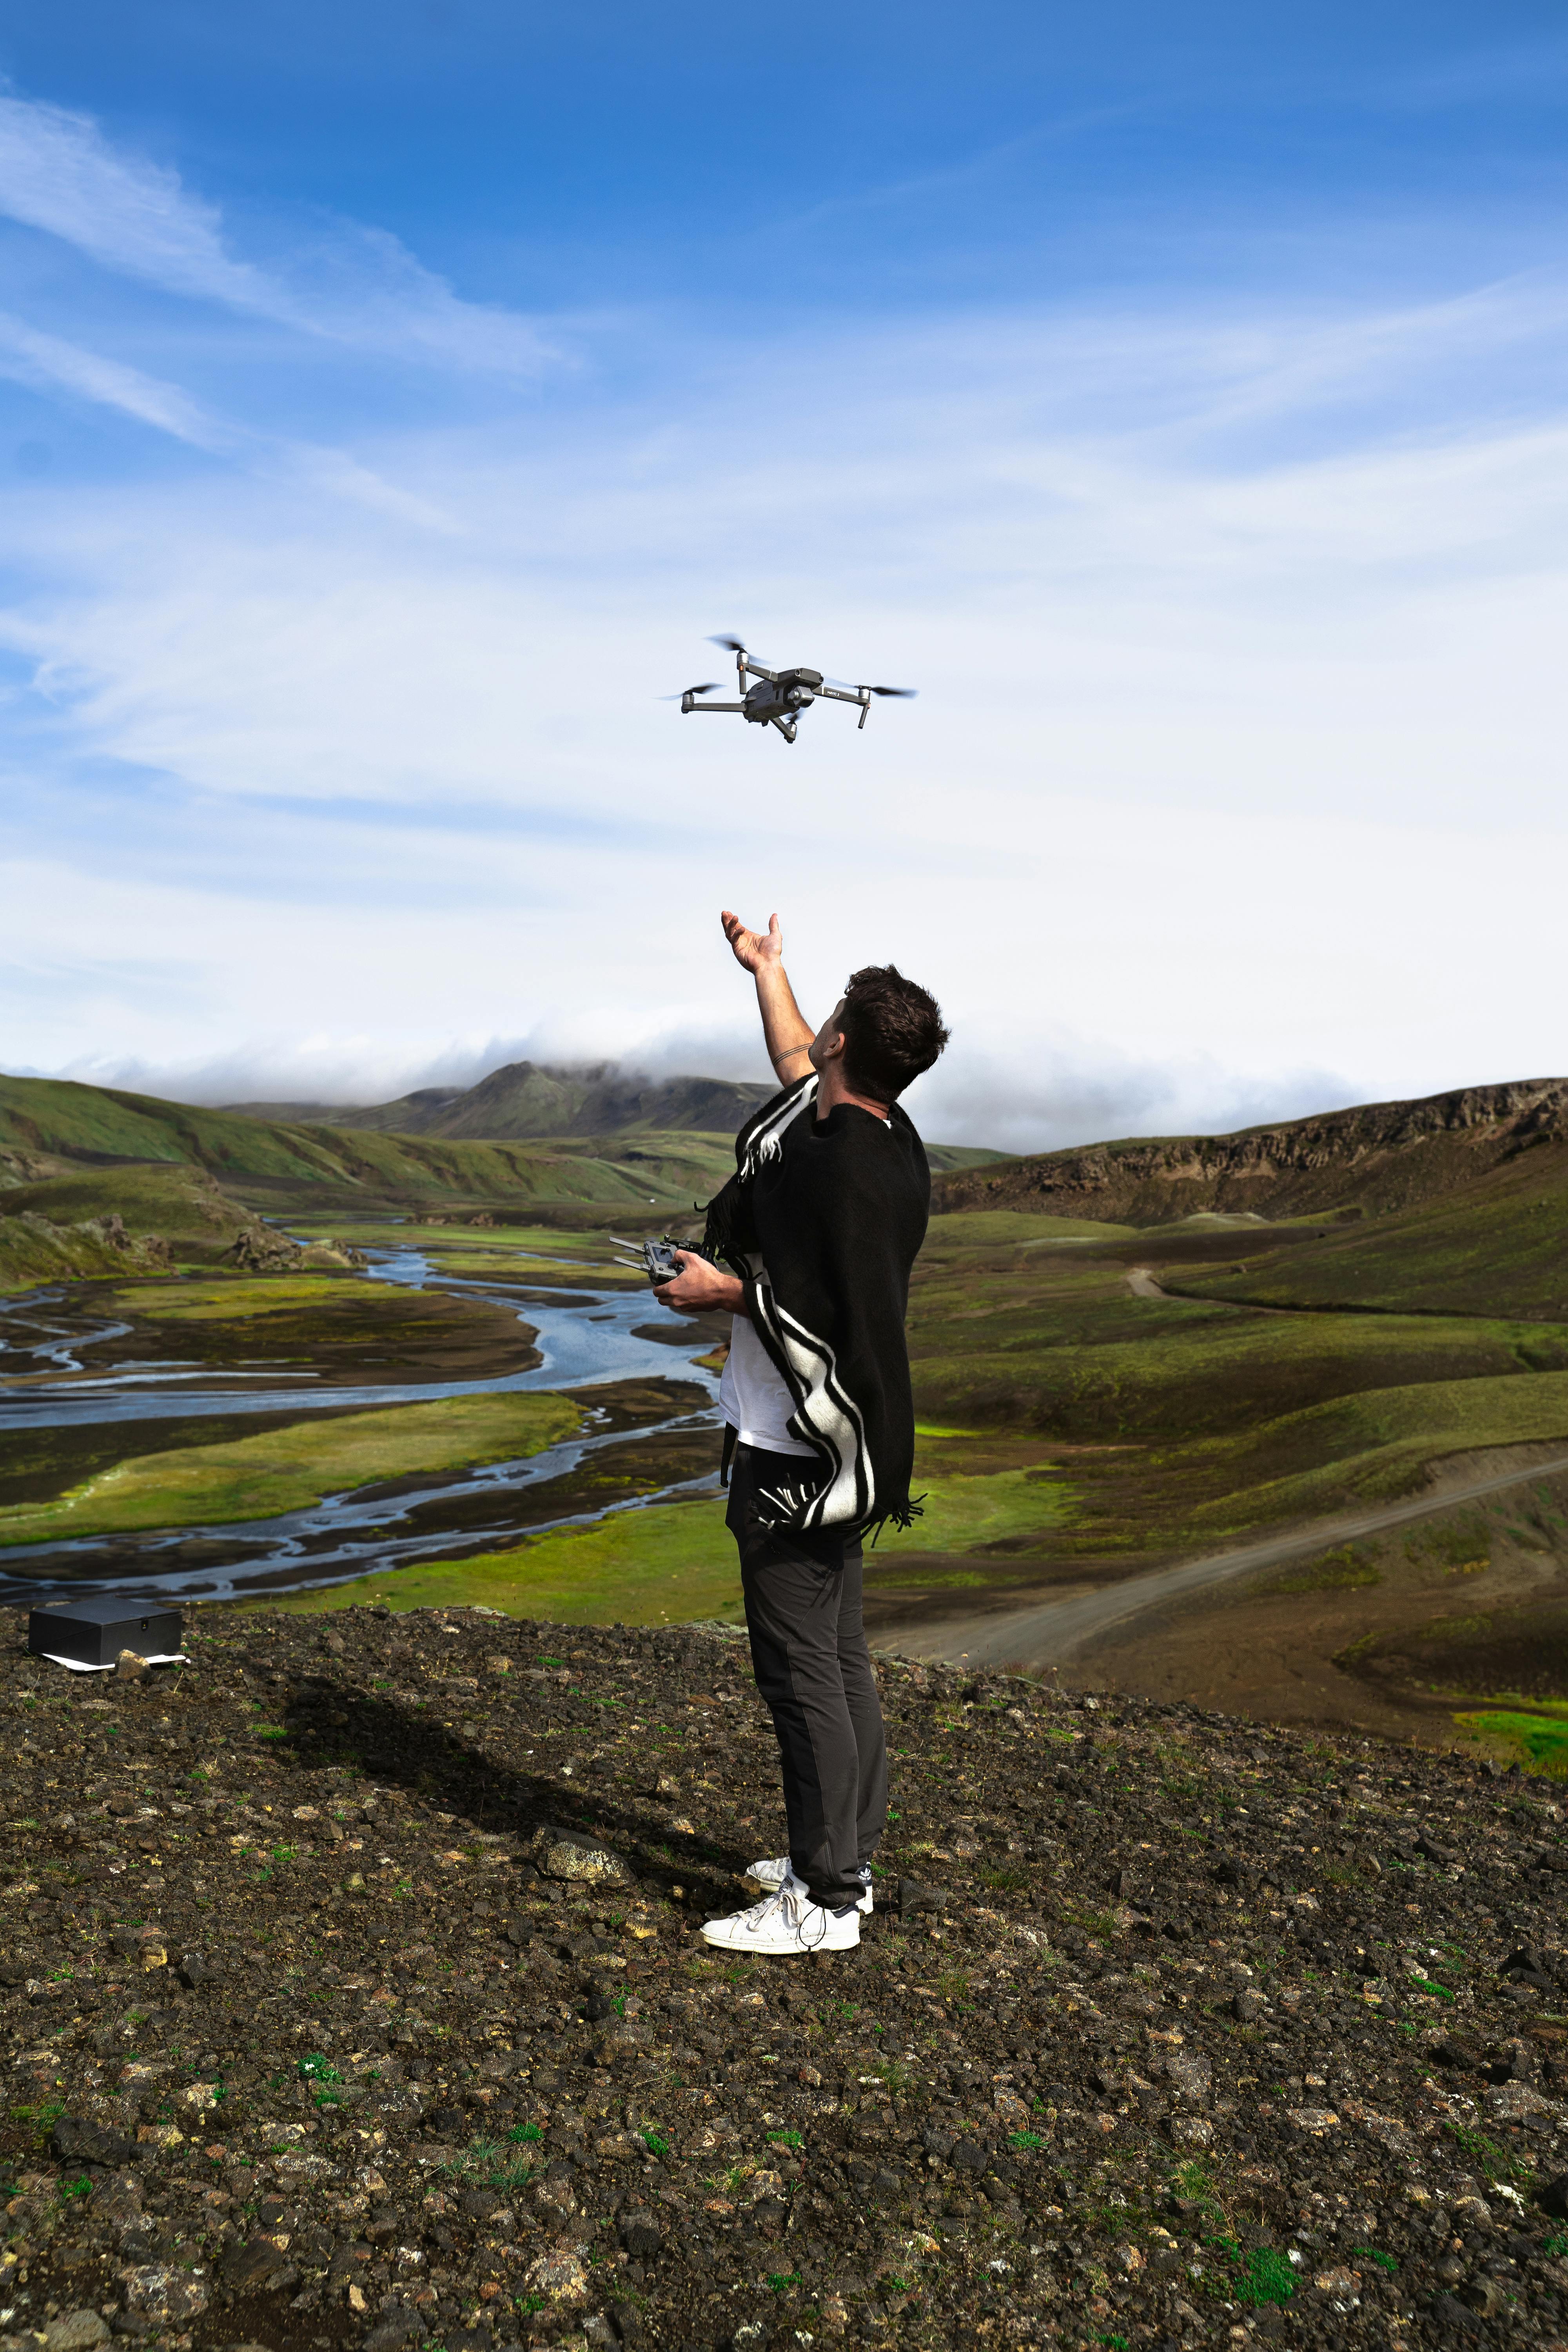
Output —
(893, 1030)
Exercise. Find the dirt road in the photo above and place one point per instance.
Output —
(1055, 1631)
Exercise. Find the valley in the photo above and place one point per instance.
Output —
(1278, 1423)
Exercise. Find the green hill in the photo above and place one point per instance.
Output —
(52, 1127)
(1497, 1247)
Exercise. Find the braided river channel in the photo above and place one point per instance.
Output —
(658, 1412)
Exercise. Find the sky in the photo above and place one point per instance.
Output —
(394, 400)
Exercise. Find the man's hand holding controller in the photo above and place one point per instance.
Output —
(701, 1288)
(697, 1286)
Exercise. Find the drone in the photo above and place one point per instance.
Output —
(780, 695)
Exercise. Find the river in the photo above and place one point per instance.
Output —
(584, 1343)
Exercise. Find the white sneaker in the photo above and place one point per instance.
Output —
(787, 1925)
(772, 1874)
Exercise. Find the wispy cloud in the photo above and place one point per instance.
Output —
(135, 217)
(49, 363)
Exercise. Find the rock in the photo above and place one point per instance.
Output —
(1554, 2197)
(564, 1855)
(163, 2295)
(144, 1946)
(639, 2234)
(130, 1666)
(1516, 2103)
(968, 2155)
(251, 2265)
(560, 2275)
(401, 2327)
(913, 1897)
(76, 2140)
(260, 1250)
(1192, 2075)
(331, 1257)
(78, 2331)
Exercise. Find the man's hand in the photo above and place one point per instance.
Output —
(753, 950)
(701, 1288)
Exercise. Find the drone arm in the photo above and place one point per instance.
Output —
(857, 694)
(744, 664)
(688, 703)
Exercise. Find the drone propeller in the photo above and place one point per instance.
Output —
(844, 686)
(711, 687)
(731, 645)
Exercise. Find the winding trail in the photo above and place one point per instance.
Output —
(1057, 1630)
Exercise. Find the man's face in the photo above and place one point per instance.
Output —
(828, 1040)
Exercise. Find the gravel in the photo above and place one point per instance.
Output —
(353, 1997)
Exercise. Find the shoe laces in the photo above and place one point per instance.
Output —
(795, 1899)
(759, 1911)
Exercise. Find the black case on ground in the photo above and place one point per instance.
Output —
(93, 1631)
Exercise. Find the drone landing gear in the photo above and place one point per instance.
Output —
(787, 728)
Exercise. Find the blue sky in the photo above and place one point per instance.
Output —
(392, 400)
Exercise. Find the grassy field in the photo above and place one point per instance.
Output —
(286, 1469)
(677, 1560)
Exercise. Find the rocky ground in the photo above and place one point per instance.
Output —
(353, 1997)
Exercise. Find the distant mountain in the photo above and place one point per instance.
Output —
(532, 1102)
(527, 1100)
(1377, 1156)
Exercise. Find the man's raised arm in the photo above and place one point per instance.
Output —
(786, 1030)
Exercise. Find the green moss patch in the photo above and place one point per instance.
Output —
(256, 1477)
(665, 1564)
(1537, 1741)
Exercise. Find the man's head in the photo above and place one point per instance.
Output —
(885, 1029)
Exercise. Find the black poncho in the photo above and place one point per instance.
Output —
(821, 1224)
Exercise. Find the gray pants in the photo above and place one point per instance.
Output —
(803, 1598)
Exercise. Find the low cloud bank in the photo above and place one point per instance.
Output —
(1038, 1098)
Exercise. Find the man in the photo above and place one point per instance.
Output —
(818, 1229)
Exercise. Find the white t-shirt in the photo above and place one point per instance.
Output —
(753, 1397)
